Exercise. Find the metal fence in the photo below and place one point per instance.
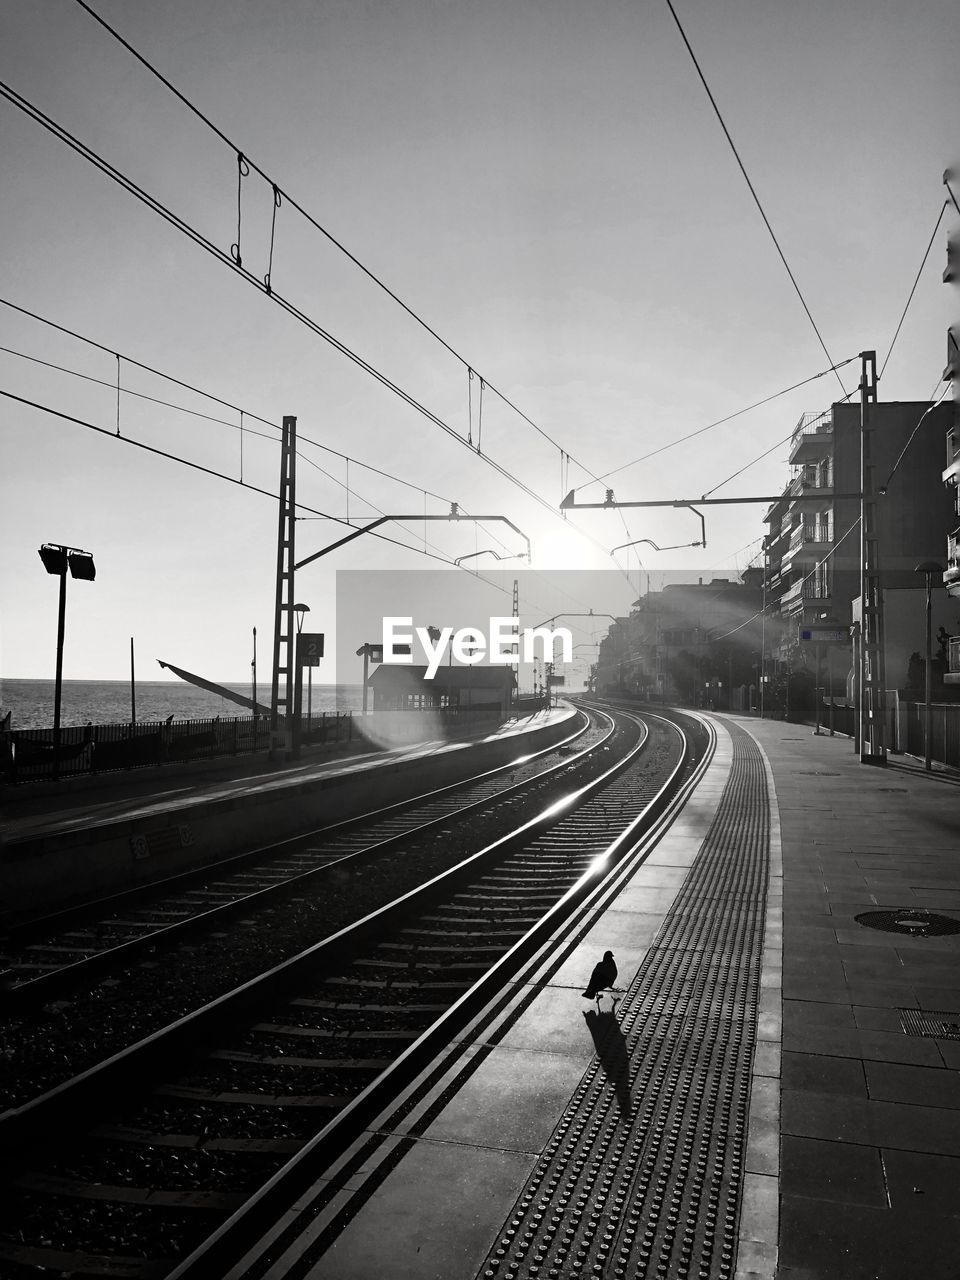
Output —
(944, 731)
(29, 755)
(906, 723)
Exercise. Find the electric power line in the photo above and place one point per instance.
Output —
(926, 254)
(280, 194)
(200, 239)
(222, 475)
(756, 198)
(729, 418)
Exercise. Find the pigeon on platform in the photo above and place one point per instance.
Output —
(604, 975)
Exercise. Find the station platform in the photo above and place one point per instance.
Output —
(776, 1095)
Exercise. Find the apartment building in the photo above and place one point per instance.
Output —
(689, 643)
(812, 549)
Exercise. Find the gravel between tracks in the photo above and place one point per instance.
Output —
(41, 1050)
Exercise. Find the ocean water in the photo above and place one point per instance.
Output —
(30, 702)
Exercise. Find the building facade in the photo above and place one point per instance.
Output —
(812, 549)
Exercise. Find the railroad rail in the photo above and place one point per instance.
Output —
(255, 1088)
(48, 956)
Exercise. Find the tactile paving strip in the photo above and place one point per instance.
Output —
(643, 1175)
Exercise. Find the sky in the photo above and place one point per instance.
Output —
(544, 183)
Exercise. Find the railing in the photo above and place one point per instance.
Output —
(806, 591)
(944, 731)
(811, 424)
(907, 724)
(28, 755)
(811, 532)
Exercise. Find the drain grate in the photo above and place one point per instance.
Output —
(926, 1022)
(915, 924)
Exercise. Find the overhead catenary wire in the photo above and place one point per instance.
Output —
(929, 409)
(200, 239)
(729, 418)
(923, 263)
(767, 452)
(806, 577)
(756, 198)
(241, 429)
(280, 193)
(222, 475)
(195, 413)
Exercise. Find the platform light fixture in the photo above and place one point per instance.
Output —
(56, 560)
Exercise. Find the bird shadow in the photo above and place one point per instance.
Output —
(611, 1049)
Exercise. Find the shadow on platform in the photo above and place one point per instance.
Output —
(612, 1051)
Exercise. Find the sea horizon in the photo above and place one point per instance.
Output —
(30, 703)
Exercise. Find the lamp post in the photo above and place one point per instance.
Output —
(299, 610)
(56, 559)
(929, 569)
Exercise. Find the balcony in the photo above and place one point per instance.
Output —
(812, 438)
(811, 541)
(951, 576)
(803, 595)
(811, 484)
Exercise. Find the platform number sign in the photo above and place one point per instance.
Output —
(310, 648)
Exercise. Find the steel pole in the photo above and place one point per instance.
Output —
(256, 713)
(297, 701)
(58, 690)
(133, 688)
(816, 692)
(927, 680)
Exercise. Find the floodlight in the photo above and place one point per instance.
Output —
(82, 566)
(54, 558)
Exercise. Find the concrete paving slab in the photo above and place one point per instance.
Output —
(511, 1101)
(841, 1172)
(434, 1222)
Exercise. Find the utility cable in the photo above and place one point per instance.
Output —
(278, 193)
(262, 435)
(192, 233)
(221, 475)
(805, 578)
(729, 418)
(243, 413)
(763, 455)
(206, 417)
(757, 459)
(926, 254)
(756, 198)
(882, 489)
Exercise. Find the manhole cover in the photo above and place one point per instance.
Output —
(944, 1026)
(915, 924)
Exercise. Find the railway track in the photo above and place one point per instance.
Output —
(47, 957)
(242, 1091)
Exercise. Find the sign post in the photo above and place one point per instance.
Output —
(820, 634)
(309, 653)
